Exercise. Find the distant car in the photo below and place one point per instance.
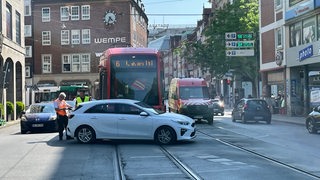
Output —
(313, 121)
(251, 109)
(39, 117)
(128, 119)
(218, 107)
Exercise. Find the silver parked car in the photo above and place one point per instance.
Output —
(128, 119)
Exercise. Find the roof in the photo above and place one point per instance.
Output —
(162, 43)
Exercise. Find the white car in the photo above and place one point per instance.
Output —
(128, 119)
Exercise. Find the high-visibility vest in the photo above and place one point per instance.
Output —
(61, 105)
(79, 100)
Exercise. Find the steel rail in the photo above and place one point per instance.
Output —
(186, 170)
(117, 164)
(263, 156)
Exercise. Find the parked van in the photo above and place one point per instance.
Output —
(190, 96)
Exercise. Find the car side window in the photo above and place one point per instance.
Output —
(128, 109)
(109, 108)
(95, 109)
(102, 108)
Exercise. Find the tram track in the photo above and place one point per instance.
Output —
(257, 154)
(119, 164)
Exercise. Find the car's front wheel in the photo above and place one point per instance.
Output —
(165, 135)
(85, 134)
(310, 126)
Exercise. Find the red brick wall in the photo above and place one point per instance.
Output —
(267, 12)
(268, 47)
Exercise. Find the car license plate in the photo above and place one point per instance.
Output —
(258, 117)
(37, 125)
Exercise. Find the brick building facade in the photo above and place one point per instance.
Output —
(68, 37)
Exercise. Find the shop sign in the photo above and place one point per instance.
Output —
(306, 53)
(299, 9)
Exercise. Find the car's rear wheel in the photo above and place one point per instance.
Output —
(222, 114)
(165, 135)
(210, 119)
(310, 126)
(268, 121)
(85, 135)
(243, 119)
(233, 118)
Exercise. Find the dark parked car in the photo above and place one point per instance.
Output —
(251, 109)
(39, 117)
(218, 107)
(313, 121)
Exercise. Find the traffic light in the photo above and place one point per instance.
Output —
(228, 81)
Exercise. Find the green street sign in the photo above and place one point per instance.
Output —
(245, 43)
(244, 35)
(239, 44)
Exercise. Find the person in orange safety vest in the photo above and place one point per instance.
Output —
(61, 107)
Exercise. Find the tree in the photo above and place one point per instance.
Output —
(241, 16)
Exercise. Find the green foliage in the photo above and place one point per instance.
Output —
(241, 16)
(19, 107)
(1, 110)
(10, 107)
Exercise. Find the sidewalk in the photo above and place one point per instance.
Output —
(289, 119)
(11, 122)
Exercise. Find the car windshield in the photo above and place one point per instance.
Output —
(149, 108)
(193, 92)
(41, 108)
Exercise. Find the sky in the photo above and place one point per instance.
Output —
(167, 11)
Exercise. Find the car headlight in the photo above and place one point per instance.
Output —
(185, 123)
(52, 118)
(23, 118)
(221, 104)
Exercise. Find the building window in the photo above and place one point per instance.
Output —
(18, 28)
(75, 36)
(27, 30)
(9, 21)
(278, 4)
(278, 36)
(46, 14)
(76, 63)
(309, 30)
(46, 63)
(66, 63)
(28, 71)
(85, 63)
(64, 13)
(74, 12)
(85, 12)
(295, 34)
(65, 37)
(28, 51)
(27, 7)
(46, 38)
(86, 36)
